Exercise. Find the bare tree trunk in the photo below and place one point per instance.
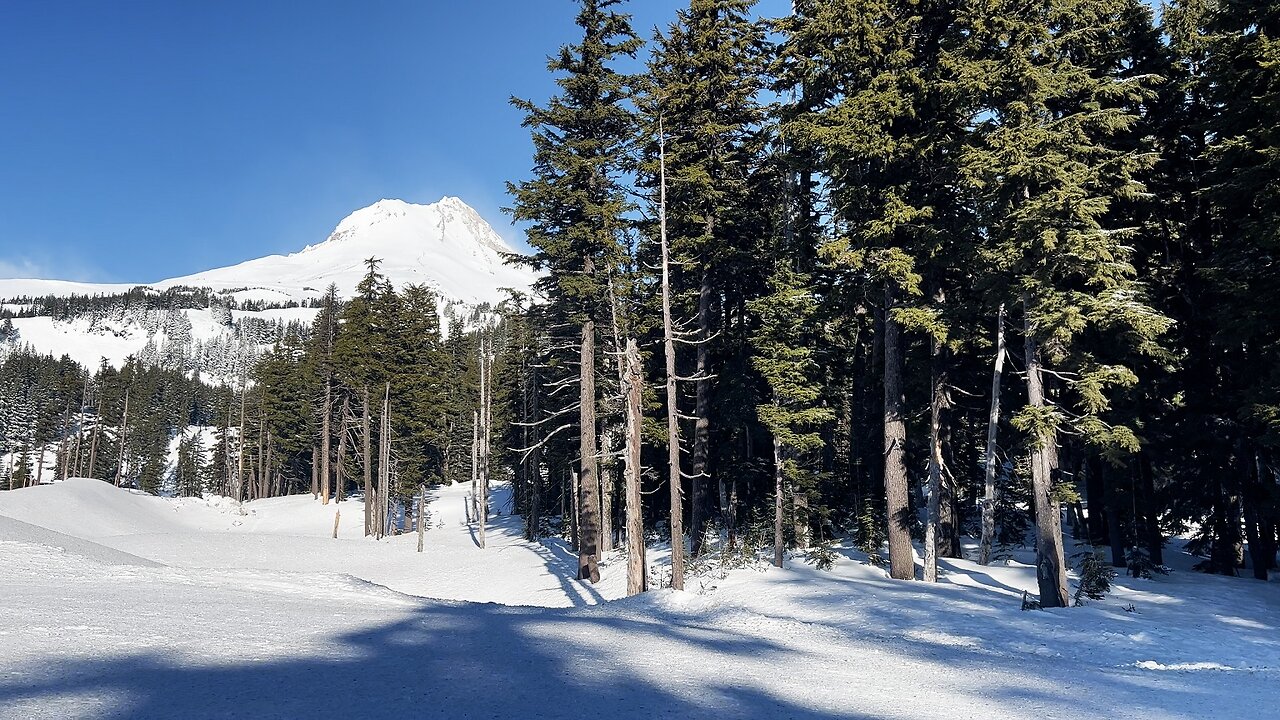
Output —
(384, 464)
(777, 502)
(800, 518)
(669, 351)
(123, 436)
(901, 563)
(483, 497)
(535, 462)
(482, 508)
(258, 482)
(267, 468)
(589, 477)
(936, 402)
(577, 518)
(367, 451)
(40, 465)
(474, 507)
(64, 454)
(93, 443)
(1051, 571)
(340, 479)
(326, 472)
(636, 580)
(702, 422)
(606, 494)
(337, 516)
(422, 515)
(989, 497)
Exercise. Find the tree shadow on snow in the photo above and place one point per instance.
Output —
(444, 660)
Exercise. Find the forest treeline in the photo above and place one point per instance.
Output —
(925, 269)
(877, 270)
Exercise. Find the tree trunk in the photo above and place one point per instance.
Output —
(800, 518)
(384, 464)
(340, 472)
(636, 580)
(474, 506)
(258, 482)
(1150, 512)
(1096, 521)
(325, 433)
(588, 476)
(366, 441)
(1115, 536)
(777, 502)
(1051, 570)
(669, 353)
(606, 494)
(535, 462)
(936, 402)
(266, 470)
(702, 422)
(93, 443)
(422, 515)
(901, 562)
(123, 436)
(482, 507)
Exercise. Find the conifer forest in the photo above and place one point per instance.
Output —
(906, 286)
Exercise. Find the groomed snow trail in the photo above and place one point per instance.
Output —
(262, 615)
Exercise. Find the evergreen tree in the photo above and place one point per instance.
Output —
(706, 78)
(575, 207)
(794, 415)
(1051, 171)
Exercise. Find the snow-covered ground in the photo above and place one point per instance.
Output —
(120, 605)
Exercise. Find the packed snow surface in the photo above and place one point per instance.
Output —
(120, 605)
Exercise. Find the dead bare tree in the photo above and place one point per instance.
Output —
(669, 350)
(993, 422)
(636, 580)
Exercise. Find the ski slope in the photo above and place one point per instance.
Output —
(120, 605)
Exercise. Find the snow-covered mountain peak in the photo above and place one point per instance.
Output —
(446, 245)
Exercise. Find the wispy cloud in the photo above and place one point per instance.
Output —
(43, 269)
(21, 268)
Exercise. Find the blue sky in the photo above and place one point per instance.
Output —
(148, 139)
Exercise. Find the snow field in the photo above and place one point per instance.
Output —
(255, 611)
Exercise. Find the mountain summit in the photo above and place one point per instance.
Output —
(446, 245)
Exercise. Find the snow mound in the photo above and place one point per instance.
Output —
(89, 509)
(16, 531)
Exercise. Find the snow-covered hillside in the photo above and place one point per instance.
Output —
(445, 245)
(121, 605)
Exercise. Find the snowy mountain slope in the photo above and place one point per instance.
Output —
(257, 604)
(445, 245)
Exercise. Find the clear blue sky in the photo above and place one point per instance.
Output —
(147, 139)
